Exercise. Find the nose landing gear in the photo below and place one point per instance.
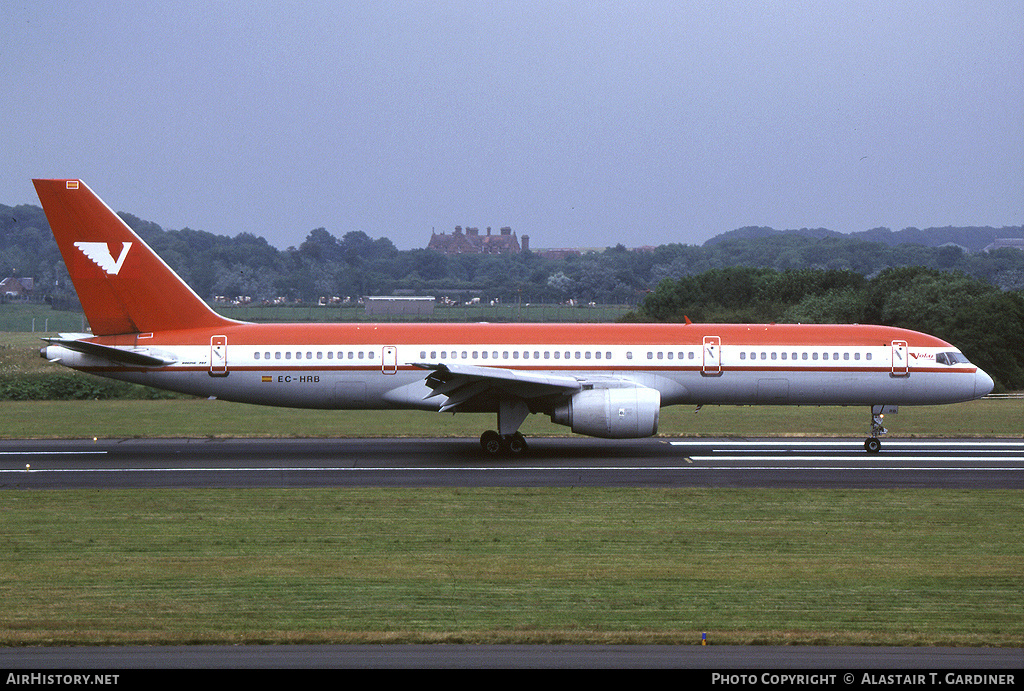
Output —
(872, 444)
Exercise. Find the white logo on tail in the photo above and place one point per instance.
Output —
(100, 254)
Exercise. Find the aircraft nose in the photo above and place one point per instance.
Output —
(983, 383)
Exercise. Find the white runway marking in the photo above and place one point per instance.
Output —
(860, 457)
(491, 469)
(852, 443)
(49, 453)
(959, 451)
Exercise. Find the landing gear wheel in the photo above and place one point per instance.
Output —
(516, 444)
(872, 445)
(491, 442)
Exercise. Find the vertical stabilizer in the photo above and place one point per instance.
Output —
(123, 285)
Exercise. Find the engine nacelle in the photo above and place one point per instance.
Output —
(626, 413)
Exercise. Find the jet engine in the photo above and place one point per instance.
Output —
(626, 413)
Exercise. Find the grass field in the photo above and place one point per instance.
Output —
(202, 418)
(891, 567)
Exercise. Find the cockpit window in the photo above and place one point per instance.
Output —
(950, 358)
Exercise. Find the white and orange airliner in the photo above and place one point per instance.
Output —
(602, 380)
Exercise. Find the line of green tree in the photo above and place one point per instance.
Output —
(972, 299)
(986, 323)
(355, 264)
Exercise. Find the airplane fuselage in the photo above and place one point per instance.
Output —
(338, 366)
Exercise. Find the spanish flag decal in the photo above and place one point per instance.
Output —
(266, 378)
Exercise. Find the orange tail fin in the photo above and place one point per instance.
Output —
(123, 285)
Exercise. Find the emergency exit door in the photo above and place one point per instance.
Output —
(389, 360)
(712, 363)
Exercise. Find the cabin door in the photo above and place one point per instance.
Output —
(900, 359)
(219, 356)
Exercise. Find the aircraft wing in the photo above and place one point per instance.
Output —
(461, 384)
(131, 358)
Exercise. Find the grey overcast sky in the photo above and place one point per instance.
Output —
(578, 123)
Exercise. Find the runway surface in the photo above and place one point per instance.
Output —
(559, 462)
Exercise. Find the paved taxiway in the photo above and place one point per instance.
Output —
(796, 462)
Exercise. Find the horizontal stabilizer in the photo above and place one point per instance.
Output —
(132, 358)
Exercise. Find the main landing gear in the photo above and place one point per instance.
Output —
(512, 411)
(494, 444)
(872, 444)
